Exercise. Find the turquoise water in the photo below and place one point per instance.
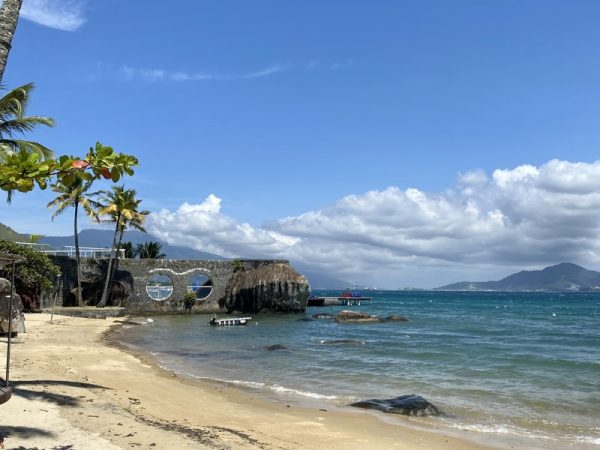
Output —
(507, 364)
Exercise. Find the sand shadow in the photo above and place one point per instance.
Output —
(58, 399)
(78, 384)
(23, 432)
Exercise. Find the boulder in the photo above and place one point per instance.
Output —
(408, 405)
(274, 287)
(348, 316)
(395, 318)
(18, 318)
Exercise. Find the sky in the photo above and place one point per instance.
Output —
(391, 143)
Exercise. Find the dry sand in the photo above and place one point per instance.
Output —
(75, 391)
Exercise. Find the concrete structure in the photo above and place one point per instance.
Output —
(288, 288)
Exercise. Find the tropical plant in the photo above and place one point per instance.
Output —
(36, 272)
(22, 171)
(9, 16)
(120, 206)
(14, 122)
(189, 300)
(150, 250)
(128, 250)
(75, 195)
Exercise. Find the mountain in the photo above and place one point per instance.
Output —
(321, 281)
(561, 277)
(8, 234)
(104, 238)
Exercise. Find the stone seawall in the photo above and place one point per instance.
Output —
(271, 285)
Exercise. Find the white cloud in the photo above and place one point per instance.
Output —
(66, 15)
(130, 73)
(522, 217)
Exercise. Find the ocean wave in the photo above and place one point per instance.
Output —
(285, 390)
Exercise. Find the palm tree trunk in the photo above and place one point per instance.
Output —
(116, 260)
(9, 16)
(104, 298)
(77, 255)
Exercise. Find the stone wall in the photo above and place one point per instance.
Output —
(133, 276)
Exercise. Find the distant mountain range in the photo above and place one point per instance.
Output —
(561, 277)
(104, 238)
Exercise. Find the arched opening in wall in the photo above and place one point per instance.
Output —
(159, 287)
(201, 284)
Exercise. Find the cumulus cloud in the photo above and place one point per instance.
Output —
(522, 217)
(66, 15)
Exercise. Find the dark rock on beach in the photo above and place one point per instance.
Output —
(408, 405)
(348, 316)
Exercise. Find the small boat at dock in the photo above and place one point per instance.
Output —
(230, 321)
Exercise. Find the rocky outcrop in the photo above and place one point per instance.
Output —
(275, 287)
(408, 405)
(348, 316)
(18, 318)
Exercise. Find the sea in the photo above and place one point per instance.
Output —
(518, 368)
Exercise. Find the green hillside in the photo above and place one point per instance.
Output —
(8, 234)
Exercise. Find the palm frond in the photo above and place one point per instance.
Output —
(34, 147)
(21, 125)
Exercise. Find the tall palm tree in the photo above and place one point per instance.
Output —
(9, 16)
(13, 122)
(128, 250)
(150, 250)
(121, 207)
(75, 195)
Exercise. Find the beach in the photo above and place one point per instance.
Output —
(74, 388)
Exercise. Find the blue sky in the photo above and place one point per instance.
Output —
(282, 109)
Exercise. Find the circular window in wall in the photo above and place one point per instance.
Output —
(200, 284)
(159, 287)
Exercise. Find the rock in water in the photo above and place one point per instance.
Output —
(408, 405)
(273, 287)
(395, 318)
(348, 316)
(272, 348)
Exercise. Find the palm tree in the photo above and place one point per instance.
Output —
(14, 122)
(121, 207)
(150, 250)
(74, 195)
(128, 250)
(9, 16)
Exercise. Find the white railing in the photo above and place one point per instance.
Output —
(69, 250)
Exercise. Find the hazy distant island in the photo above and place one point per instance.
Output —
(561, 277)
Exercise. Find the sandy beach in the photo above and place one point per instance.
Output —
(75, 390)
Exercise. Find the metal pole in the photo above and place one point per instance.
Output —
(12, 291)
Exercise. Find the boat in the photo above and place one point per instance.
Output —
(231, 321)
(313, 300)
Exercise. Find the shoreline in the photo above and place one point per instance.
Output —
(74, 385)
